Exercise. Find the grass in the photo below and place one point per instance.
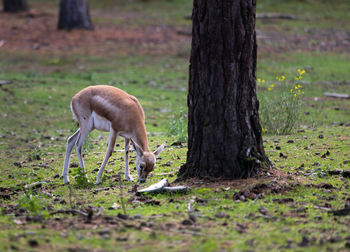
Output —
(36, 121)
(321, 67)
(310, 13)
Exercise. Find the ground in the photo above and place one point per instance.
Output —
(143, 47)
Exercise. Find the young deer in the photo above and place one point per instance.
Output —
(107, 108)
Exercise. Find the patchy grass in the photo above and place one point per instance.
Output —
(310, 14)
(283, 209)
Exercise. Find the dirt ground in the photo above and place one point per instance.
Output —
(92, 218)
(37, 31)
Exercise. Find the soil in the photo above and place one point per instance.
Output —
(314, 40)
(37, 31)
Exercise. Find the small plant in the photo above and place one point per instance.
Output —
(81, 178)
(35, 204)
(178, 126)
(35, 154)
(280, 113)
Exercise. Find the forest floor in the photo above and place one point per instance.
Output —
(143, 47)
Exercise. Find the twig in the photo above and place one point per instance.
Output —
(186, 232)
(102, 189)
(189, 205)
(336, 95)
(341, 212)
(69, 211)
(275, 16)
(121, 196)
(4, 82)
(70, 196)
(99, 212)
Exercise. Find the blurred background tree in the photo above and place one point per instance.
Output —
(74, 14)
(15, 5)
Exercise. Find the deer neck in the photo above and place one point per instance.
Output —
(140, 138)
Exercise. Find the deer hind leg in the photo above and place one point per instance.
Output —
(111, 143)
(84, 132)
(70, 144)
(127, 174)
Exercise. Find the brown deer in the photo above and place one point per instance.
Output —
(108, 108)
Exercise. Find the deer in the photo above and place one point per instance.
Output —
(110, 109)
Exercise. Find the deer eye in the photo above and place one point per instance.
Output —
(142, 167)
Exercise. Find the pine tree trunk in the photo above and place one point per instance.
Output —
(15, 5)
(74, 14)
(224, 132)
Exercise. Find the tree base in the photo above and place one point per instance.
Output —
(249, 168)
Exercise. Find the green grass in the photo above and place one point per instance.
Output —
(321, 67)
(33, 119)
(36, 121)
(309, 13)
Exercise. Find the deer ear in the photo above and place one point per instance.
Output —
(137, 148)
(159, 150)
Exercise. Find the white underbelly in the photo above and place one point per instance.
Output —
(100, 122)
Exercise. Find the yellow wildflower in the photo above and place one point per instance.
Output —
(263, 81)
(283, 77)
(302, 92)
(302, 72)
(259, 80)
(270, 89)
(291, 90)
(272, 85)
(299, 86)
(295, 95)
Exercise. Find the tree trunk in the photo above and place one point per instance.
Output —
(15, 5)
(224, 132)
(74, 14)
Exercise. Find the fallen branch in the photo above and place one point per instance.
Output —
(35, 184)
(163, 186)
(4, 82)
(341, 212)
(69, 211)
(275, 16)
(185, 32)
(102, 189)
(337, 95)
(99, 212)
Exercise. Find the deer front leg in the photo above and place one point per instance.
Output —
(111, 142)
(127, 174)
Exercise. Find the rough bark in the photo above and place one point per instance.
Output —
(224, 132)
(15, 5)
(74, 14)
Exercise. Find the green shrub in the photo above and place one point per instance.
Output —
(280, 107)
(35, 204)
(178, 126)
(35, 154)
(81, 178)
